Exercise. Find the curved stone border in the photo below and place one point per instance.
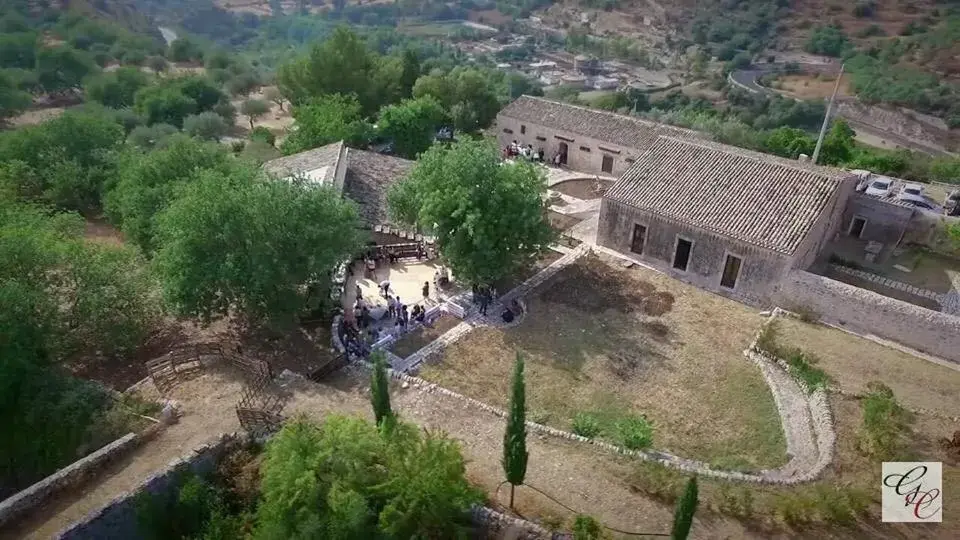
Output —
(805, 416)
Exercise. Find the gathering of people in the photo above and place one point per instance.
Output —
(516, 149)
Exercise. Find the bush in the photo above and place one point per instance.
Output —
(206, 125)
(767, 339)
(736, 502)
(587, 528)
(263, 134)
(795, 509)
(658, 481)
(885, 424)
(865, 8)
(828, 41)
(634, 432)
(586, 425)
(801, 368)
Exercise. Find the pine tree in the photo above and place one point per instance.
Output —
(686, 507)
(515, 437)
(380, 388)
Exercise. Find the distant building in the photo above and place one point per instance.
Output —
(587, 140)
(605, 83)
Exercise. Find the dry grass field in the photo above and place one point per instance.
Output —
(611, 342)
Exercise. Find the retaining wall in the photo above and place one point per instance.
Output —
(865, 311)
(72, 475)
(118, 519)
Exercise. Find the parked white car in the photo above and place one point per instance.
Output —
(880, 187)
(910, 191)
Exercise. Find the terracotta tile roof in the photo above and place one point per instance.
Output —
(626, 131)
(759, 199)
(325, 156)
(369, 175)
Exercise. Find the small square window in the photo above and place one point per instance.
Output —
(585, 148)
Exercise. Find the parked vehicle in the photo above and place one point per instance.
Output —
(910, 190)
(917, 201)
(880, 187)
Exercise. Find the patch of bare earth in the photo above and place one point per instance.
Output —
(812, 86)
(607, 340)
(36, 116)
(276, 120)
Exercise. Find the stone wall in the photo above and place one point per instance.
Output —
(904, 123)
(72, 475)
(760, 272)
(865, 311)
(589, 162)
(886, 221)
(118, 520)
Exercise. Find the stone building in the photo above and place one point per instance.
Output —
(362, 176)
(725, 219)
(587, 140)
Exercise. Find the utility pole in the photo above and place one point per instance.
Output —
(826, 117)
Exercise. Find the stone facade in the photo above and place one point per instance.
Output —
(583, 153)
(762, 269)
(886, 221)
(861, 310)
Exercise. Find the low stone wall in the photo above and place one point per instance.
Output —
(498, 525)
(67, 477)
(928, 331)
(118, 519)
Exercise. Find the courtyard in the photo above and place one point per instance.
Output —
(604, 344)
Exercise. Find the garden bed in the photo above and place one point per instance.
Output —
(611, 344)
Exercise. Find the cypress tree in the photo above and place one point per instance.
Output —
(380, 388)
(515, 437)
(686, 507)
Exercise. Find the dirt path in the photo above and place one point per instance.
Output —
(207, 402)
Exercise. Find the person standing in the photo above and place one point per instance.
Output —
(385, 288)
(426, 290)
(391, 307)
(359, 292)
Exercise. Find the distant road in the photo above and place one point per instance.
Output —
(168, 35)
(747, 79)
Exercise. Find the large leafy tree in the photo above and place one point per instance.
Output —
(412, 124)
(206, 125)
(347, 479)
(147, 183)
(244, 243)
(18, 50)
(62, 67)
(342, 64)
(65, 161)
(467, 93)
(488, 216)
(116, 88)
(327, 120)
(12, 99)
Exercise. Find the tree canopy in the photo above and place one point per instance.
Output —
(115, 88)
(488, 216)
(241, 242)
(347, 479)
(326, 120)
(467, 93)
(412, 124)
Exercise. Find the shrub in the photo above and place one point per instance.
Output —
(871, 31)
(795, 509)
(767, 339)
(587, 528)
(865, 8)
(801, 368)
(736, 502)
(885, 424)
(263, 134)
(828, 41)
(806, 314)
(586, 425)
(634, 432)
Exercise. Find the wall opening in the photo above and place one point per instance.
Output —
(731, 271)
(563, 153)
(681, 257)
(523, 129)
(607, 165)
(639, 238)
(857, 226)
